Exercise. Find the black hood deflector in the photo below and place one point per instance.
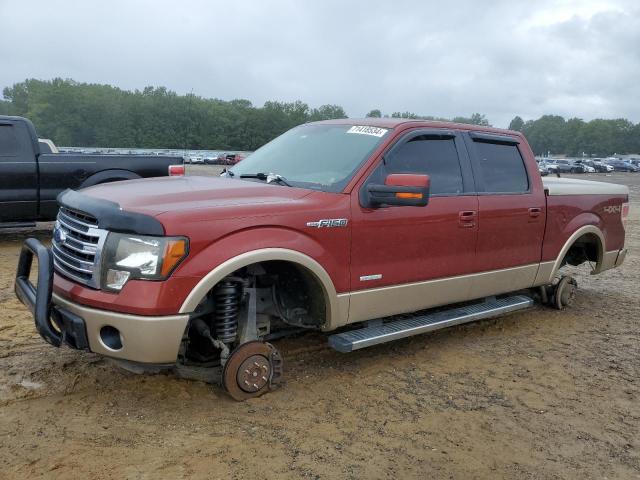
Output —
(110, 215)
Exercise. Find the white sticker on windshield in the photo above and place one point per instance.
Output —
(366, 130)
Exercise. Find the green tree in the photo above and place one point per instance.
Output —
(5, 107)
(374, 114)
(475, 119)
(327, 112)
(547, 134)
(516, 124)
(572, 131)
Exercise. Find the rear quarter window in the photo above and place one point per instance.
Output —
(44, 147)
(502, 168)
(8, 141)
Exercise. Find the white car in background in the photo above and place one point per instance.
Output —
(550, 165)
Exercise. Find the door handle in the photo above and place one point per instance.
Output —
(535, 212)
(467, 218)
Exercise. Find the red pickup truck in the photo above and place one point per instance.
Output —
(372, 229)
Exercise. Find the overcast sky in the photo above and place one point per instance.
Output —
(500, 58)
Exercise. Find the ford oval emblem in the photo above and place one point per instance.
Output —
(59, 235)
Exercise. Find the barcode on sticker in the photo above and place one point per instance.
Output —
(366, 130)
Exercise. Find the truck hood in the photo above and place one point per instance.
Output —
(156, 196)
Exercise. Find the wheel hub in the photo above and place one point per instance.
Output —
(565, 292)
(251, 370)
(253, 373)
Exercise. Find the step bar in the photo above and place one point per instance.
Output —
(8, 225)
(378, 332)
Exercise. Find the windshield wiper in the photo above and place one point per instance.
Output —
(268, 177)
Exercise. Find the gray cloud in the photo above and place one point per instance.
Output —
(500, 58)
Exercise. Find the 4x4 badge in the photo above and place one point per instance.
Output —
(329, 222)
(613, 209)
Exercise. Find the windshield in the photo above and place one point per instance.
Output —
(318, 156)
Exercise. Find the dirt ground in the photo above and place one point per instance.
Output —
(541, 394)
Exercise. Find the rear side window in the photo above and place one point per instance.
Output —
(8, 141)
(502, 168)
(435, 157)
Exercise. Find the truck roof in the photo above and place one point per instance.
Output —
(395, 122)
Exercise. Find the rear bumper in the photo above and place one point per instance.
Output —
(144, 339)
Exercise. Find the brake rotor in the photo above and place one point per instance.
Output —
(565, 292)
(251, 370)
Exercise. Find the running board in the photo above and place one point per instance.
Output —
(407, 327)
(7, 225)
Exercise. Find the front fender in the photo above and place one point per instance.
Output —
(247, 247)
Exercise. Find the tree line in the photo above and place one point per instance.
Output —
(552, 134)
(82, 114)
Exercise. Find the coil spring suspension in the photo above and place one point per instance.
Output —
(227, 300)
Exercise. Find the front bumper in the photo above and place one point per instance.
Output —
(137, 338)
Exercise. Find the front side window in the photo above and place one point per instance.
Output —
(435, 157)
(319, 156)
(502, 168)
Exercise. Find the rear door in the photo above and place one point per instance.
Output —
(18, 173)
(512, 215)
(397, 250)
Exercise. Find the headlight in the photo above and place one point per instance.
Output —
(138, 257)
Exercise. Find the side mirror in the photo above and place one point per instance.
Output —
(400, 189)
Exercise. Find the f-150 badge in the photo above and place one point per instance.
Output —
(329, 222)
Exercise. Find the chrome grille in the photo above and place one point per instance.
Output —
(77, 247)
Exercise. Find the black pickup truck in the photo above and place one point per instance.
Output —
(30, 180)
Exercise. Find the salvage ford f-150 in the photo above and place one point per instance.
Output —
(361, 227)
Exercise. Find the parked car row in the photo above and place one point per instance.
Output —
(620, 165)
(549, 165)
(221, 159)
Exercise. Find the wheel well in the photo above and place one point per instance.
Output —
(586, 248)
(263, 300)
(107, 176)
(296, 294)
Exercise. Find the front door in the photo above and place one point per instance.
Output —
(403, 258)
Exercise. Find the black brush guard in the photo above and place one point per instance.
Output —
(56, 325)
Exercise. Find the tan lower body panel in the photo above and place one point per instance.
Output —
(545, 274)
(144, 339)
(392, 300)
(610, 259)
